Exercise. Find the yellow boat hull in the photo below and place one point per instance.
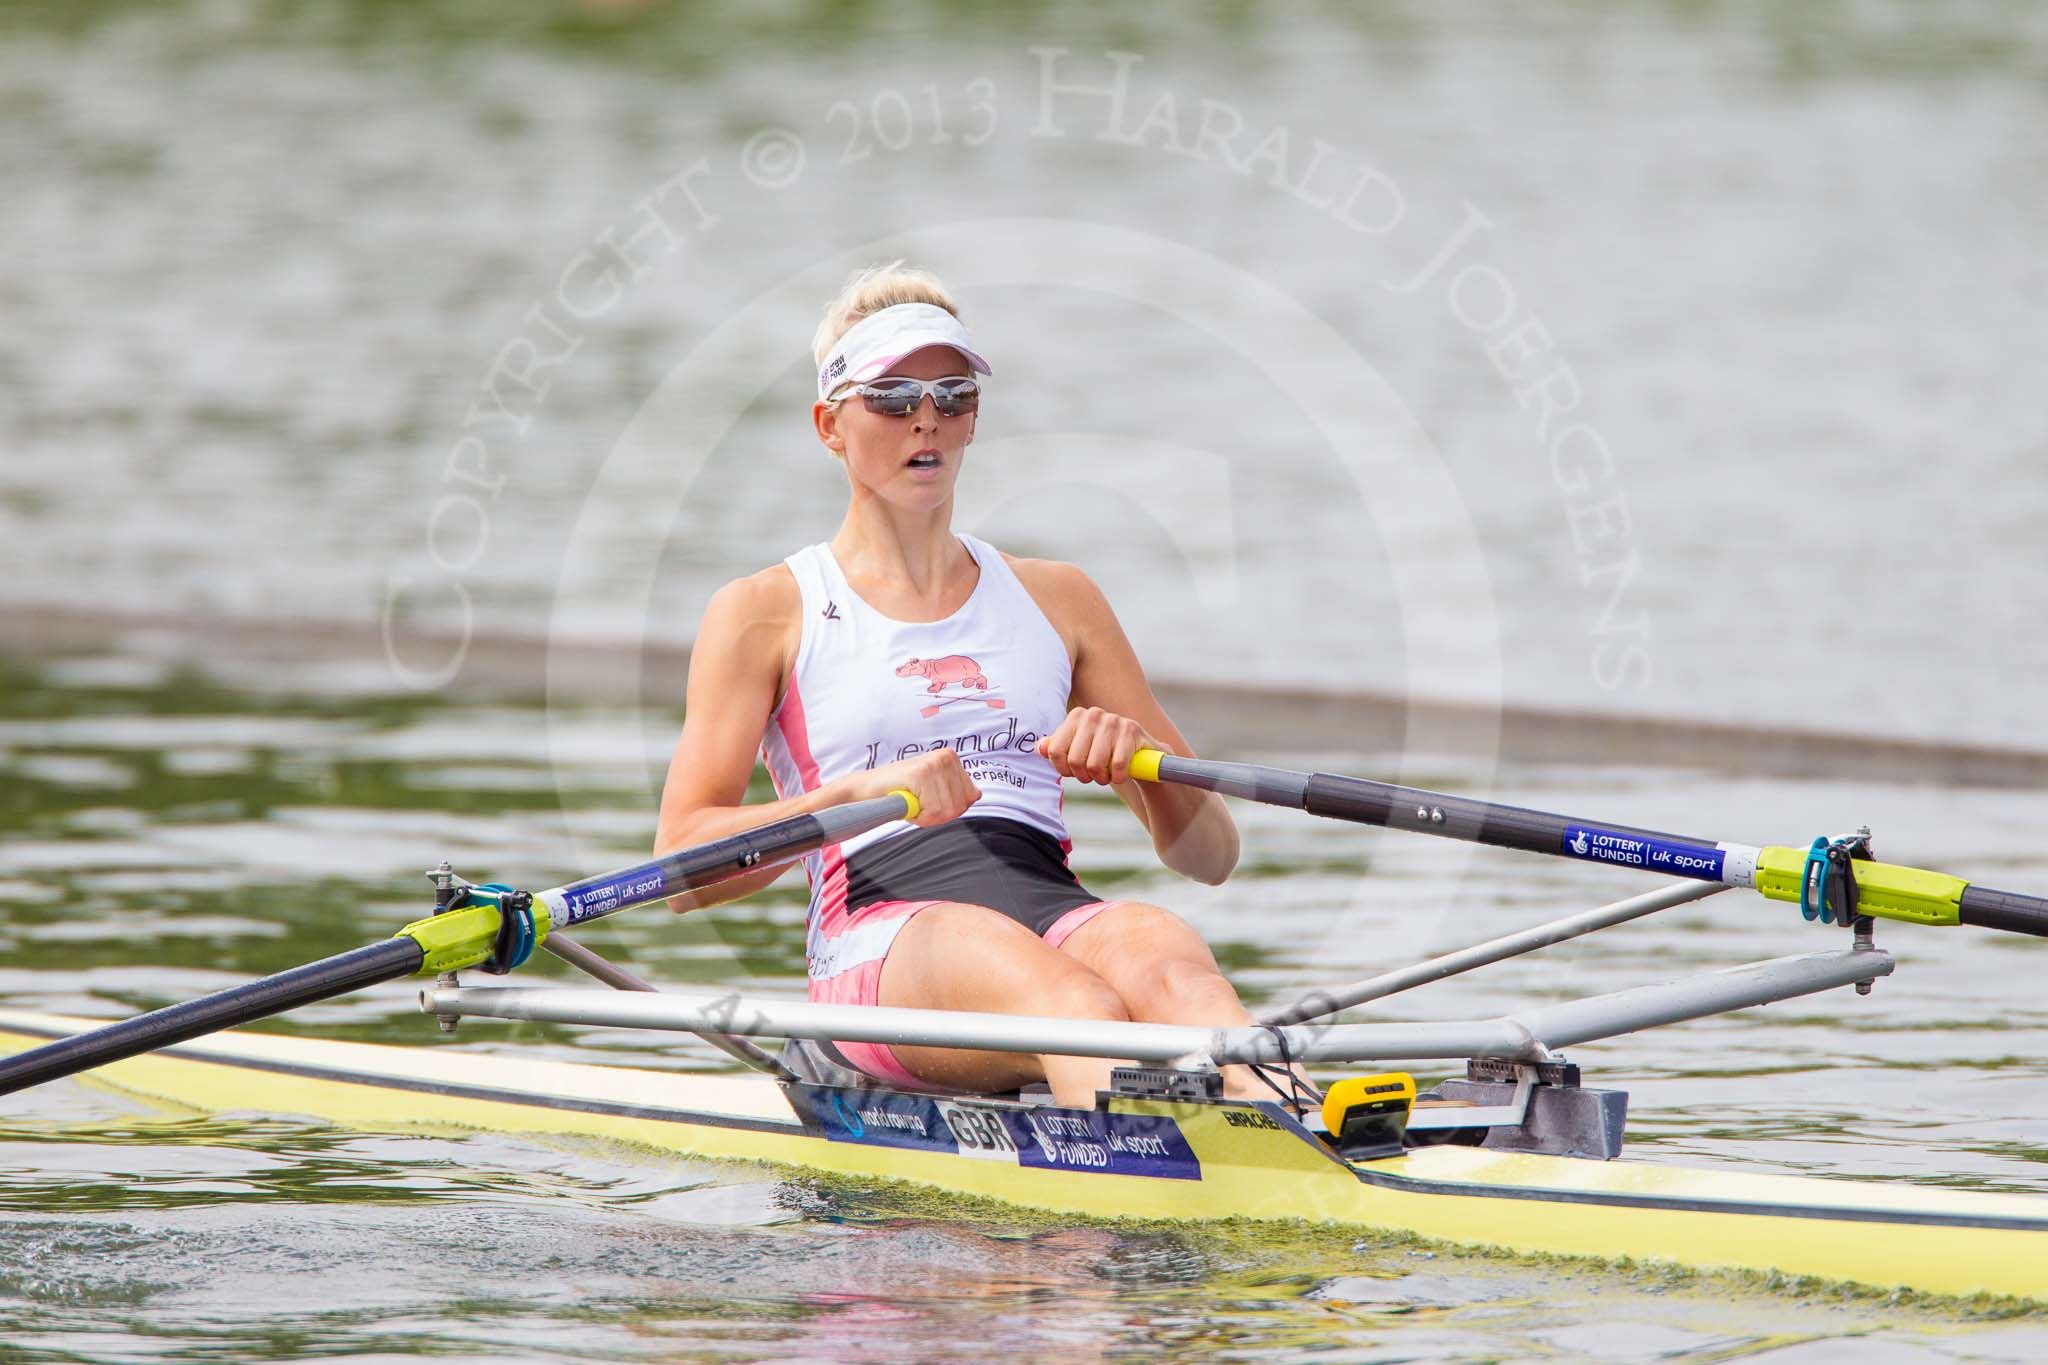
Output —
(1134, 1159)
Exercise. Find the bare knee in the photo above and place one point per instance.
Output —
(1181, 991)
(1182, 979)
(1081, 994)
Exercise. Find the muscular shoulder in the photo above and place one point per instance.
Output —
(1054, 579)
(771, 593)
(1067, 596)
(757, 615)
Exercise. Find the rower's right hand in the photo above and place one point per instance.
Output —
(938, 781)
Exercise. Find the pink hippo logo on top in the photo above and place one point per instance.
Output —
(955, 670)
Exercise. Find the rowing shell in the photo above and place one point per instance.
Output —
(1134, 1158)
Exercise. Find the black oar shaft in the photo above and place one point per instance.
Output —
(1453, 817)
(704, 864)
(1365, 802)
(2008, 910)
(1482, 822)
(387, 960)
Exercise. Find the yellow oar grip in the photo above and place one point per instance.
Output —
(908, 800)
(1145, 765)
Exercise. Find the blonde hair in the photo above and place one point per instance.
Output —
(870, 291)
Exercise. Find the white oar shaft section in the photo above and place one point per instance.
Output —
(1527, 1035)
(1318, 1004)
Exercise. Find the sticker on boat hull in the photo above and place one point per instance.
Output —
(1698, 861)
(1045, 1138)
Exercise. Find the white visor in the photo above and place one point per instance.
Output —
(875, 344)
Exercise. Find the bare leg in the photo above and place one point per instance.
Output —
(968, 957)
(1165, 974)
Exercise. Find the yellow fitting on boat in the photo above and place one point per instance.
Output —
(1385, 1093)
(1368, 1115)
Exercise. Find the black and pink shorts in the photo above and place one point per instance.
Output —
(1005, 865)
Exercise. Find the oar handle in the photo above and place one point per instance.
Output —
(1251, 781)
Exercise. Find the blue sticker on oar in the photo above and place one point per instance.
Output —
(602, 895)
(1635, 850)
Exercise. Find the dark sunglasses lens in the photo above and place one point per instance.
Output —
(954, 399)
(900, 399)
(891, 400)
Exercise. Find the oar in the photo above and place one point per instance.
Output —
(462, 937)
(1883, 890)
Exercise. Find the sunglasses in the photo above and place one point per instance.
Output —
(953, 396)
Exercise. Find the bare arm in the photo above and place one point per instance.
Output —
(1113, 714)
(742, 652)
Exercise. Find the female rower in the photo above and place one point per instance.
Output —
(902, 654)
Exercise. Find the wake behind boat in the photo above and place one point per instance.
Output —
(1518, 1153)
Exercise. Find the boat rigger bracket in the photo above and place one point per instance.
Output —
(1186, 1078)
(448, 889)
(1503, 1103)
(1517, 1106)
(1459, 1113)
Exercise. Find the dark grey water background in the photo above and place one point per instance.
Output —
(257, 262)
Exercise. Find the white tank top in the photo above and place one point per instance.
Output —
(988, 682)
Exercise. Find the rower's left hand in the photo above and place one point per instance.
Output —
(1094, 745)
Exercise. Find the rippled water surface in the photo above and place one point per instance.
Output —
(171, 834)
(310, 326)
